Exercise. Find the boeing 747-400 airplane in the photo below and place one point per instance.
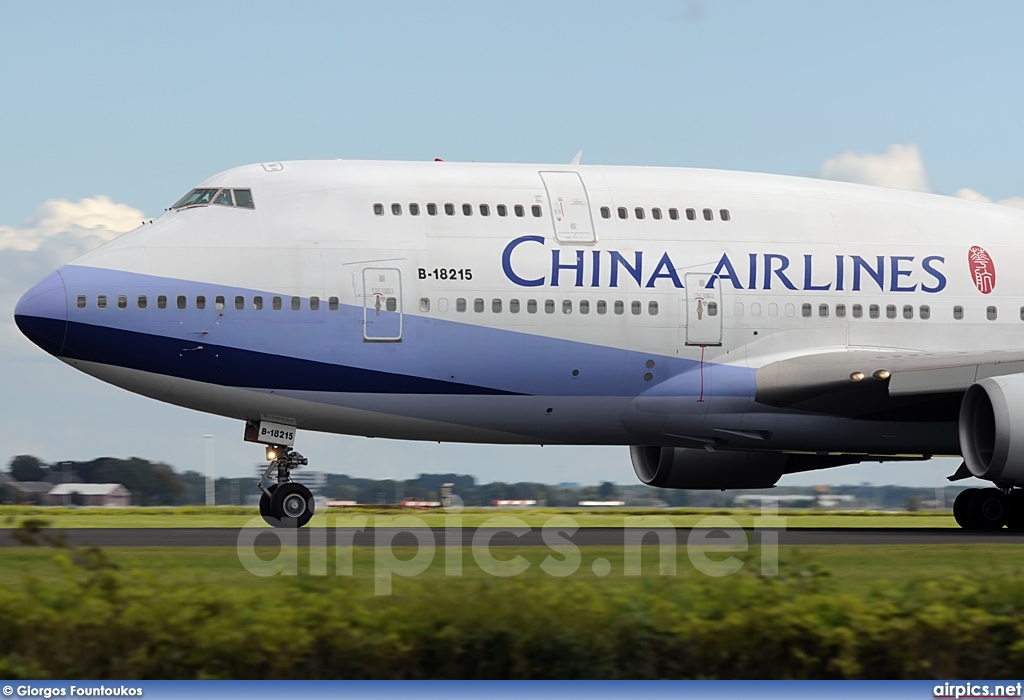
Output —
(729, 327)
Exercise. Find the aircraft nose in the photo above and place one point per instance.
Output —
(42, 314)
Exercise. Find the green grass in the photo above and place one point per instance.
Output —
(200, 516)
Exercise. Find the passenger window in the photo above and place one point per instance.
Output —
(602, 307)
(467, 210)
(141, 301)
(432, 209)
(442, 305)
(724, 213)
(218, 303)
(958, 313)
(805, 310)
(519, 210)
(396, 209)
(773, 309)
(414, 209)
(622, 212)
(122, 301)
(478, 305)
(243, 198)
(737, 309)
(314, 303)
(531, 306)
(502, 210)
(620, 307)
(391, 304)
(535, 209)
(296, 303)
(566, 307)
(908, 311)
(161, 302)
(513, 306)
(790, 310)
(224, 199)
(332, 303)
(925, 312)
(275, 303)
(485, 210)
(82, 301)
(179, 302)
(584, 307)
(378, 209)
(691, 214)
(990, 312)
(239, 303)
(858, 311)
(200, 302)
(656, 213)
(549, 306)
(673, 214)
(712, 308)
(755, 309)
(635, 308)
(257, 303)
(101, 301)
(606, 213)
(840, 310)
(639, 211)
(890, 311)
(822, 310)
(496, 306)
(708, 215)
(652, 308)
(449, 209)
(424, 305)
(873, 311)
(460, 305)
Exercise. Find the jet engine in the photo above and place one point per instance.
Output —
(992, 429)
(690, 468)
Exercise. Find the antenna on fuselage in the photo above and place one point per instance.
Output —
(576, 158)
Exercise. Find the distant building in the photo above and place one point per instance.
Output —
(27, 492)
(88, 495)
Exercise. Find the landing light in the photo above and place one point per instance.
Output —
(856, 376)
(881, 374)
(271, 454)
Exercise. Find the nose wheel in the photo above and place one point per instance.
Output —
(286, 503)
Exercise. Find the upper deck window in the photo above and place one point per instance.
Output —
(224, 197)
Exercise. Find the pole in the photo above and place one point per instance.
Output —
(211, 494)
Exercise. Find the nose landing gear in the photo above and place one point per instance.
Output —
(286, 503)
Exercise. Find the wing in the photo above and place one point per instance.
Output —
(880, 384)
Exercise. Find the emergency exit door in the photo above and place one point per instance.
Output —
(703, 309)
(382, 304)
(570, 207)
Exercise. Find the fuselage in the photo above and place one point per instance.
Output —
(536, 304)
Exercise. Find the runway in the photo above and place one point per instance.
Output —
(526, 537)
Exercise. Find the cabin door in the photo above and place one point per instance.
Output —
(569, 206)
(382, 304)
(703, 308)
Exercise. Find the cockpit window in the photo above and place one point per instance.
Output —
(225, 197)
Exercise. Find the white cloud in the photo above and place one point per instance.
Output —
(900, 167)
(967, 193)
(94, 219)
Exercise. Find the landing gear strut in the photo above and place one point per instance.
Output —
(286, 503)
(989, 509)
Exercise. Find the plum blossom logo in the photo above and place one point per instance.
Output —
(983, 270)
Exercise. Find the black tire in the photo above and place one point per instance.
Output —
(1015, 510)
(265, 511)
(961, 508)
(292, 505)
(988, 509)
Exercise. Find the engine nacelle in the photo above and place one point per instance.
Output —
(689, 468)
(992, 429)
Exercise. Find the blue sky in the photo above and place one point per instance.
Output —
(136, 102)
